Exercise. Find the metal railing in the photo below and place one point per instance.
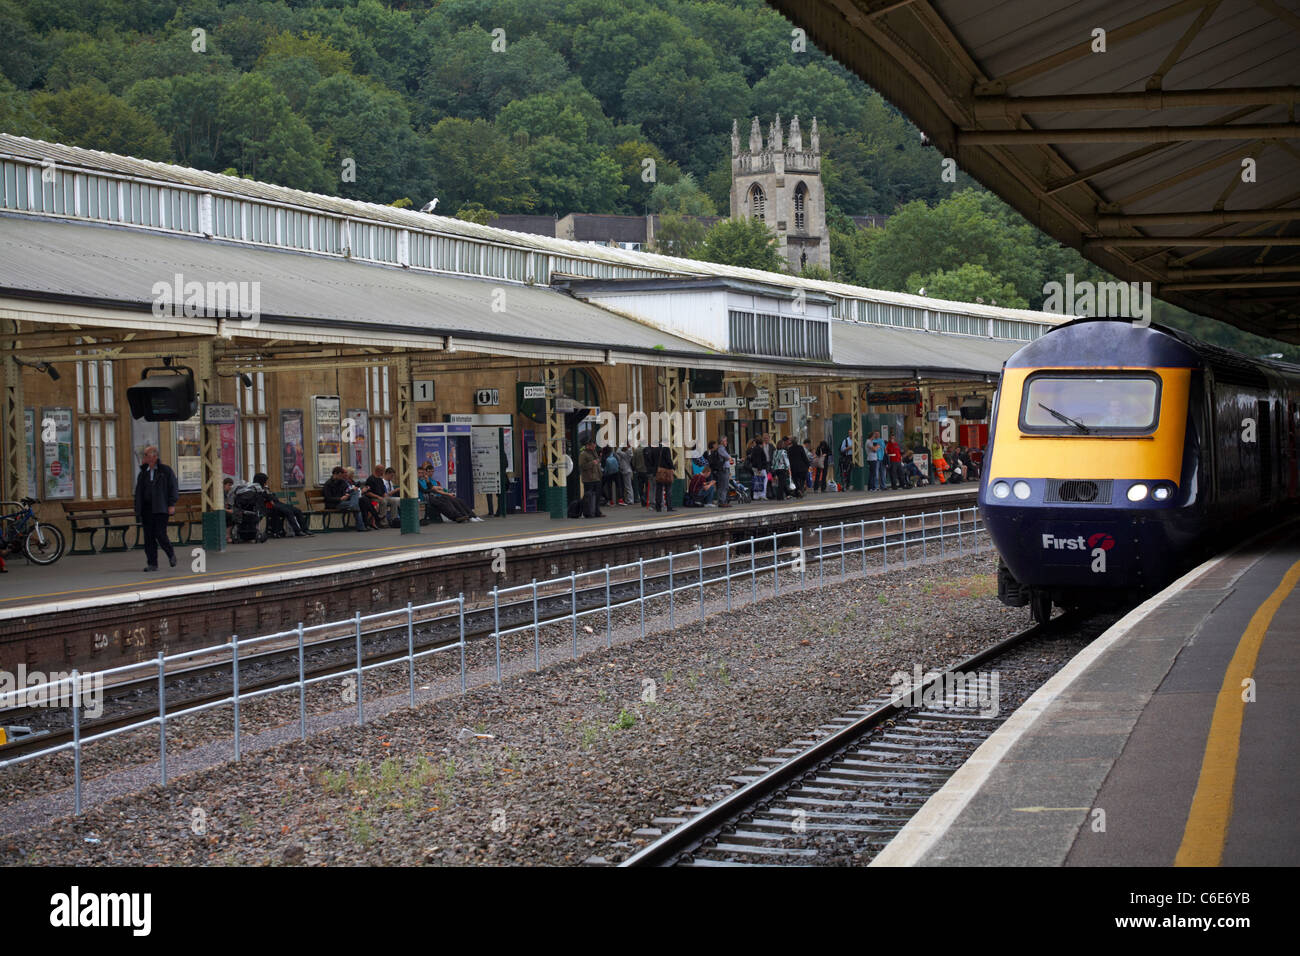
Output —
(758, 562)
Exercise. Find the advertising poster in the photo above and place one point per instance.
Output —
(357, 454)
(189, 454)
(431, 449)
(56, 472)
(293, 463)
(230, 451)
(485, 459)
(328, 429)
(143, 434)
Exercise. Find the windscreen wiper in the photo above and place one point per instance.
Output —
(1066, 418)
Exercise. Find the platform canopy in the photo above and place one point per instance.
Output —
(1159, 138)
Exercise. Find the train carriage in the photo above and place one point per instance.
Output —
(1119, 454)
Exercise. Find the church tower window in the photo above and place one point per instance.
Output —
(800, 198)
(756, 202)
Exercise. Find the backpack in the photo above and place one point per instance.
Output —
(611, 466)
(575, 508)
(715, 462)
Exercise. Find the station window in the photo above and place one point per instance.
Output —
(253, 424)
(581, 387)
(96, 430)
(379, 398)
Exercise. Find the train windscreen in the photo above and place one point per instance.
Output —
(1068, 404)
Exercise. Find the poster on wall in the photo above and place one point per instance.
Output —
(360, 419)
(143, 434)
(229, 451)
(56, 471)
(293, 463)
(327, 427)
(485, 459)
(189, 454)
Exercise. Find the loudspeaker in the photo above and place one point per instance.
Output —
(974, 411)
(169, 397)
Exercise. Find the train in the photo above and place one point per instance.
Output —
(1121, 454)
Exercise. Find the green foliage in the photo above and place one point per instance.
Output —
(676, 236)
(967, 283)
(91, 117)
(683, 197)
(741, 242)
(475, 212)
(267, 140)
(471, 161)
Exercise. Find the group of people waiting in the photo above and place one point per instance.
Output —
(626, 476)
(376, 502)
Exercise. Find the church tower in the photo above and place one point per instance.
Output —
(781, 183)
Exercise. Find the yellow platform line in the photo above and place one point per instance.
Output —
(1207, 821)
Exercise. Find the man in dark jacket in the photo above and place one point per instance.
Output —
(156, 494)
(800, 462)
(590, 470)
(660, 457)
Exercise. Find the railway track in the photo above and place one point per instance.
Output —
(134, 701)
(840, 798)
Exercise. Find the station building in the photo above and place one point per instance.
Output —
(321, 331)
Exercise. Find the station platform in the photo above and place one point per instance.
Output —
(99, 576)
(100, 610)
(1142, 751)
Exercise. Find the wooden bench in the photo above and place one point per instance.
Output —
(115, 517)
(111, 516)
(314, 507)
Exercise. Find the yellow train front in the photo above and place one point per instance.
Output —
(1119, 454)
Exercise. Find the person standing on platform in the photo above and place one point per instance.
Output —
(781, 468)
(846, 462)
(589, 469)
(156, 494)
(624, 456)
(758, 463)
(800, 462)
(665, 471)
(894, 463)
(726, 468)
(824, 466)
(641, 471)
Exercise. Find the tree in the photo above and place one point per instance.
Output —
(676, 235)
(968, 283)
(683, 197)
(91, 117)
(741, 242)
(807, 91)
(265, 139)
(471, 161)
(475, 212)
(370, 126)
(187, 108)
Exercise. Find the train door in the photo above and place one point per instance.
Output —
(1293, 479)
(1264, 418)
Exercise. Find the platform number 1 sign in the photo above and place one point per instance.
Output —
(422, 390)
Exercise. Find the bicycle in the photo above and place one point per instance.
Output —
(21, 532)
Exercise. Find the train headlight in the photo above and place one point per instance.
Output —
(1162, 493)
(1137, 492)
(1001, 489)
(1022, 490)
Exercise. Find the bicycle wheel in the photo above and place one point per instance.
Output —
(44, 545)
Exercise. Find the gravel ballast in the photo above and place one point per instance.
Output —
(562, 765)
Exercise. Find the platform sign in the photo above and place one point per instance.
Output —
(485, 459)
(219, 413)
(788, 397)
(704, 404)
(422, 390)
(534, 391)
